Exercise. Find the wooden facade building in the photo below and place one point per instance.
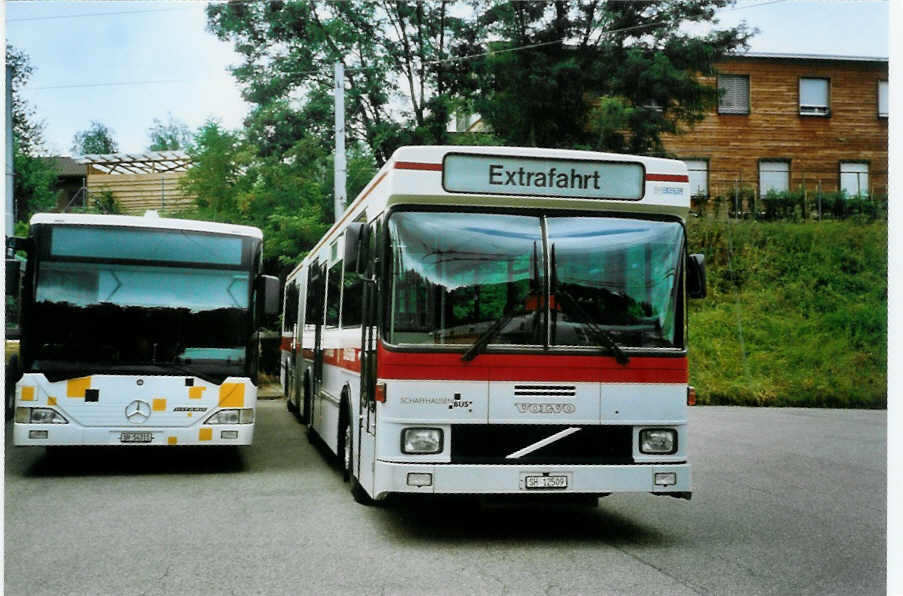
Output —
(786, 122)
(140, 181)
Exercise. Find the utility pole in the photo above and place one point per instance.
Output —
(339, 161)
(9, 223)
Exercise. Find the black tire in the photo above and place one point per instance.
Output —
(9, 389)
(345, 444)
(357, 491)
(359, 494)
(304, 413)
(287, 390)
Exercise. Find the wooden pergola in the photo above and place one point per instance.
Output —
(149, 162)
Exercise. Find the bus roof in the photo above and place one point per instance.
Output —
(147, 221)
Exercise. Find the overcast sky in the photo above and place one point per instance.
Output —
(126, 63)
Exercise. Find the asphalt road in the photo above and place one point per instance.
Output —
(786, 501)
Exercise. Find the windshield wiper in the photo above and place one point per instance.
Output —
(481, 342)
(597, 333)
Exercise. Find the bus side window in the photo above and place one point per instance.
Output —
(291, 306)
(352, 287)
(313, 313)
(334, 294)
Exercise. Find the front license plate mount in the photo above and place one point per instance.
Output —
(545, 480)
(131, 436)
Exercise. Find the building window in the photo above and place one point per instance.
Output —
(854, 178)
(882, 99)
(733, 93)
(815, 97)
(699, 176)
(774, 175)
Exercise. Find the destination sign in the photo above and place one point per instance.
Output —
(489, 174)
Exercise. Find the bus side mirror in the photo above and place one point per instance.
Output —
(696, 286)
(356, 243)
(269, 294)
(12, 277)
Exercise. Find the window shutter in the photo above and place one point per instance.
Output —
(882, 99)
(735, 94)
(814, 96)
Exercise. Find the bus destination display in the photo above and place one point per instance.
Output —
(488, 174)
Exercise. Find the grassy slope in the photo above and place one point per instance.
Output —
(809, 301)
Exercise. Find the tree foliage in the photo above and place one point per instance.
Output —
(288, 195)
(98, 138)
(28, 132)
(599, 75)
(34, 175)
(398, 90)
(170, 135)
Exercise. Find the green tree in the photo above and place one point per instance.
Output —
(214, 177)
(286, 194)
(98, 138)
(34, 174)
(398, 89)
(170, 135)
(28, 132)
(602, 75)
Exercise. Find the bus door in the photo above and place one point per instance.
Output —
(316, 295)
(366, 429)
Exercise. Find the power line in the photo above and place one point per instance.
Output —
(122, 84)
(99, 14)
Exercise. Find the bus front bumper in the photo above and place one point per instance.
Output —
(45, 435)
(667, 479)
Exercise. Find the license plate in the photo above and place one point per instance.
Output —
(136, 437)
(550, 481)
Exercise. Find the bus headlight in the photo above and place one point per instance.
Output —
(232, 416)
(660, 441)
(421, 440)
(39, 416)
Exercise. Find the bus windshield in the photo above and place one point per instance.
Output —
(458, 276)
(130, 297)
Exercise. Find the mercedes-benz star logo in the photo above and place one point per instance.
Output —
(138, 411)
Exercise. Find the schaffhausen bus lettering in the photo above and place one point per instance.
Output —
(500, 320)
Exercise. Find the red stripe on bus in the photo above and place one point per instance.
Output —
(530, 367)
(413, 165)
(667, 178)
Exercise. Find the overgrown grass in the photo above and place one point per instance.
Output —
(796, 314)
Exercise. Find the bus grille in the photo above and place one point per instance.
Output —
(492, 443)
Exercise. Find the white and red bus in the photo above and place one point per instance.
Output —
(500, 320)
(139, 331)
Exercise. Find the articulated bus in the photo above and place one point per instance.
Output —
(138, 331)
(500, 320)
